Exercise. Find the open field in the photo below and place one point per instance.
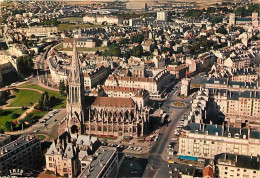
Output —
(61, 101)
(25, 98)
(6, 115)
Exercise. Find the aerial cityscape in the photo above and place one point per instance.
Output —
(118, 88)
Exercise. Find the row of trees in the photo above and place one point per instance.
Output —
(114, 50)
(45, 103)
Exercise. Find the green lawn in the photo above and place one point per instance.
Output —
(6, 115)
(41, 137)
(62, 100)
(38, 114)
(25, 98)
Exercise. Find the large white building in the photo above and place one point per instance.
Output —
(109, 19)
(206, 141)
(162, 16)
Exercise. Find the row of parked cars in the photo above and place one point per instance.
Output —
(50, 116)
(123, 146)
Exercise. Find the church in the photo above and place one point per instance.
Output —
(101, 116)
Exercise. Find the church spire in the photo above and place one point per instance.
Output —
(75, 67)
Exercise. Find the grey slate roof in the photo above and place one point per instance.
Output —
(213, 129)
(241, 161)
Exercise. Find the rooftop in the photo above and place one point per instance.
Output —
(220, 130)
(241, 161)
(104, 154)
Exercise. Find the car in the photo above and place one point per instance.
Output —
(36, 131)
(54, 120)
(44, 125)
(173, 139)
(43, 121)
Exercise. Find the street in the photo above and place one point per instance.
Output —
(156, 164)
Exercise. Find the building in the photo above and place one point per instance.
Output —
(238, 106)
(39, 31)
(251, 21)
(162, 16)
(206, 141)
(178, 71)
(117, 117)
(236, 165)
(155, 85)
(139, 96)
(95, 77)
(185, 86)
(4, 139)
(109, 19)
(244, 75)
(181, 170)
(232, 19)
(65, 154)
(135, 22)
(103, 115)
(224, 83)
(80, 42)
(24, 153)
(104, 163)
(136, 6)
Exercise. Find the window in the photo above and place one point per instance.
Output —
(50, 164)
(50, 158)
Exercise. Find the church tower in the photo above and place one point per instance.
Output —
(75, 98)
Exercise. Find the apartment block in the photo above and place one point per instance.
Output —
(205, 141)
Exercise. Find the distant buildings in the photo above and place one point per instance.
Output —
(39, 31)
(80, 42)
(24, 153)
(109, 19)
(162, 16)
(252, 21)
(136, 6)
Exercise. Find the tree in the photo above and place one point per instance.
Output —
(9, 125)
(113, 50)
(2, 131)
(137, 38)
(25, 65)
(62, 88)
(29, 118)
(137, 51)
(44, 102)
(222, 30)
(15, 115)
